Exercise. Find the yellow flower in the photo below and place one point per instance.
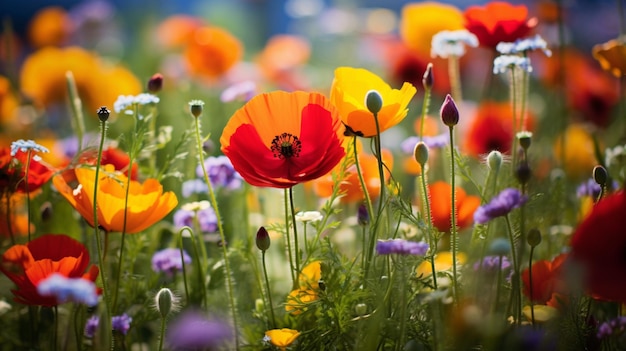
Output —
(579, 155)
(348, 93)
(420, 21)
(282, 338)
(147, 204)
(611, 56)
(310, 275)
(298, 299)
(443, 262)
(49, 26)
(8, 100)
(543, 313)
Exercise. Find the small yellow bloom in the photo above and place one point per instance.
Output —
(282, 338)
(147, 203)
(348, 93)
(298, 300)
(310, 275)
(443, 262)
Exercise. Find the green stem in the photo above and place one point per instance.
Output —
(455, 78)
(515, 280)
(269, 291)
(429, 222)
(220, 227)
(288, 240)
(425, 107)
(295, 230)
(162, 332)
(453, 231)
(403, 306)
(77, 108)
(29, 157)
(368, 203)
(496, 301)
(514, 114)
(55, 334)
(180, 233)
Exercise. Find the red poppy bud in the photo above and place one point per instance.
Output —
(449, 112)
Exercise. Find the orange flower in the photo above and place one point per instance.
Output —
(497, 22)
(27, 265)
(281, 56)
(15, 223)
(147, 204)
(441, 209)
(8, 100)
(420, 21)
(579, 158)
(212, 52)
(13, 169)
(49, 26)
(178, 30)
(281, 139)
(282, 338)
(612, 56)
(298, 299)
(350, 186)
(348, 93)
(548, 286)
(310, 275)
(43, 78)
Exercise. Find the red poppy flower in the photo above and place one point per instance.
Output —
(547, 281)
(599, 245)
(28, 265)
(498, 22)
(441, 210)
(14, 173)
(281, 139)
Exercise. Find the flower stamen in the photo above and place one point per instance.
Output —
(286, 145)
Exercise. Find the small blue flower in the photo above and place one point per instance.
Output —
(194, 186)
(194, 331)
(401, 247)
(25, 146)
(502, 204)
(69, 289)
(91, 326)
(452, 43)
(522, 46)
(121, 323)
(169, 260)
(221, 172)
(492, 263)
(503, 63)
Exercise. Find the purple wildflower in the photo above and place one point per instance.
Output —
(433, 142)
(589, 188)
(221, 172)
(492, 263)
(195, 331)
(69, 289)
(502, 204)
(245, 91)
(121, 323)
(206, 219)
(401, 247)
(169, 261)
(91, 326)
(612, 327)
(194, 186)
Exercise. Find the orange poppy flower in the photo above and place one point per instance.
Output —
(43, 78)
(350, 186)
(8, 100)
(348, 93)
(281, 139)
(49, 26)
(548, 286)
(178, 30)
(27, 265)
(298, 299)
(14, 171)
(420, 21)
(212, 52)
(147, 203)
(441, 209)
(280, 58)
(497, 22)
(282, 338)
(611, 56)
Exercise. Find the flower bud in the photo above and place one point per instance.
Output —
(420, 153)
(321, 285)
(449, 112)
(103, 114)
(46, 211)
(262, 239)
(373, 101)
(164, 301)
(362, 215)
(155, 83)
(494, 160)
(500, 247)
(525, 139)
(196, 107)
(523, 172)
(600, 175)
(428, 79)
(360, 309)
(534, 237)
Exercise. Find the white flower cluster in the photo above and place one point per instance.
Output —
(124, 102)
(522, 46)
(452, 43)
(25, 146)
(502, 63)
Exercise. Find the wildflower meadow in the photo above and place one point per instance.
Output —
(313, 175)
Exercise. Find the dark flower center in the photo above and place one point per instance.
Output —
(286, 145)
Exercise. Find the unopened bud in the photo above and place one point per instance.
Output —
(165, 301)
(600, 175)
(449, 112)
(420, 153)
(534, 237)
(523, 172)
(494, 160)
(262, 239)
(428, 79)
(362, 215)
(196, 106)
(525, 139)
(321, 285)
(373, 101)
(360, 309)
(103, 114)
(155, 84)
(46, 211)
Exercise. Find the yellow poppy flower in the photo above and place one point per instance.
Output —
(348, 93)
(147, 204)
(298, 299)
(420, 21)
(611, 56)
(310, 275)
(443, 262)
(579, 158)
(282, 338)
